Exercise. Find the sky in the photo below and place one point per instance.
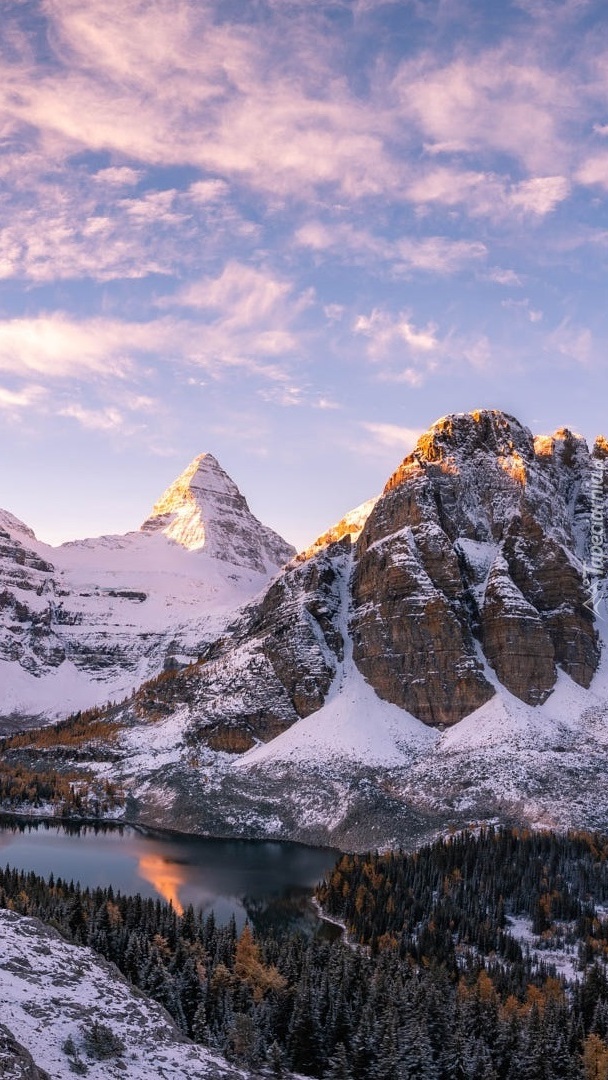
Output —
(292, 233)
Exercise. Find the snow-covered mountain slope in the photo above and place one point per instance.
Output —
(439, 658)
(360, 771)
(89, 621)
(51, 991)
(466, 577)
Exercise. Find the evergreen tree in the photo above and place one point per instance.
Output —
(339, 1068)
(275, 1061)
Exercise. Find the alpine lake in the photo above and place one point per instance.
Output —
(269, 883)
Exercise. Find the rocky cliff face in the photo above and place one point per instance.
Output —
(26, 592)
(274, 666)
(467, 574)
(412, 640)
(478, 542)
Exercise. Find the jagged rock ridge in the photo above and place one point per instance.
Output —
(480, 537)
(467, 571)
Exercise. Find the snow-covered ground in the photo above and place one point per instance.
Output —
(354, 724)
(121, 606)
(564, 960)
(50, 990)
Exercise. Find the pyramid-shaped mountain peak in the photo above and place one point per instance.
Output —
(203, 510)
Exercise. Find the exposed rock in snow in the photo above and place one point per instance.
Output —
(275, 666)
(515, 639)
(350, 525)
(411, 641)
(15, 1061)
(476, 478)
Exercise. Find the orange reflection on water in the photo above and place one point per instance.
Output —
(166, 877)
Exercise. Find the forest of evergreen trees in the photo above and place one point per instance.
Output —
(429, 985)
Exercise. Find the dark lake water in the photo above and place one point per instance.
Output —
(267, 882)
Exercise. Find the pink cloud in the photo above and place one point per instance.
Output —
(593, 172)
(269, 105)
(488, 195)
(434, 254)
(493, 101)
(393, 436)
(12, 401)
(243, 293)
(190, 90)
(386, 334)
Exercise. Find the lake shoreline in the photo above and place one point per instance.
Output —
(266, 882)
(155, 830)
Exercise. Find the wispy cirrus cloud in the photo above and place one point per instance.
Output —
(108, 418)
(233, 106)
(113, 408)
(244, 317)
(505, 100)
(383, 330)
(407, 352)
(244, 293)
(272, 104)
(198, 91)
(593, 172)
(251, 315)
(487, 194)
(221, 96)
(393, 436)
(118, 176)
(572, 341)
(13, 402)
(539, 195)
(523, 308)
(431, 254)
(125, 412)
(158, 207)
(291, 396)
(504, 276)
(59, 347)
(87, 228)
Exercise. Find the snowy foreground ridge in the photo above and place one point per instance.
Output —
(52, 992)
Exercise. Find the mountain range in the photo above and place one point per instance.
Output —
(434, 659)
(89, 621)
